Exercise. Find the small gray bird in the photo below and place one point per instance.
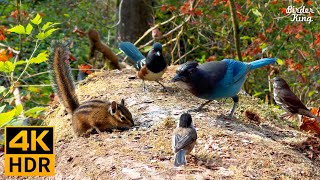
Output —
(287, 100)
(183, 139)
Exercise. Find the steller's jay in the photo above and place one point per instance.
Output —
(184, 139)
(217, 79)
(287, 100)
(151, 68)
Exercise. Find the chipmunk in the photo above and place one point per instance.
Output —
(98, 114)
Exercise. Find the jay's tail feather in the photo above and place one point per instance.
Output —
(262, 62)
(132, 52)
(180, 158)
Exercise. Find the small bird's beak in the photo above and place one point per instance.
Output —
(176, 78)
(158, 53)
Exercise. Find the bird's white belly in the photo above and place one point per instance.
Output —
(151, 76)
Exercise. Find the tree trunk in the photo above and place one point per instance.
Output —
(135, 19)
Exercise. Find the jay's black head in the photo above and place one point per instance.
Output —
(185, 120)
(186, 72)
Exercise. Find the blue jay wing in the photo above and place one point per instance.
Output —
(236, 70)
(133, 53)
(216, 69)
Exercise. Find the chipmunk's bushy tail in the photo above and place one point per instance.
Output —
(61, 75)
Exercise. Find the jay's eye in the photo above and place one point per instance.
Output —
(190, 71)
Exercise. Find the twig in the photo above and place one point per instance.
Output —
(10, 48)
(235, 28)
(154, 27)
(186, 54)
(119, 18)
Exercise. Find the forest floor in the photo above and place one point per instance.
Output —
(254, 145)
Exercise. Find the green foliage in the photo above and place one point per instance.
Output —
(11, 68)
(42, 57)
(8, 116)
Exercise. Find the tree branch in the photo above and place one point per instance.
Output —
(235, 28)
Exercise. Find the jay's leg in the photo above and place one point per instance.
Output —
(200, 107)
(235, 103)
(164, 88)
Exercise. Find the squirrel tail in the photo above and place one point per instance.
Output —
(61, 75)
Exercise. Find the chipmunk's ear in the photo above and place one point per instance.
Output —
(122, 102)
(113, 107)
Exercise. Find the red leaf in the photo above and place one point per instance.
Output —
(318, 52)
(289, 62)
(3, 55)
(198, 12)
(215, 2)
(86, 68)
(163, 7)
(309, 3)
(310, 124)
(283, 11)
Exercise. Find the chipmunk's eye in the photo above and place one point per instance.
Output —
(123, 118)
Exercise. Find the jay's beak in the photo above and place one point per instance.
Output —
(158, 53)
(176, 78)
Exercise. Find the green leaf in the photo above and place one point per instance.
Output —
(29, 29)
(280, 61)
(2, 89)
(66, 15)
(245, 38)
(19, 109)
(256, 12)
(37, 20)
(2, 108)
(49, 32)
(310, 93)
(263, 45)
(6, 67)
(19, 29)
(46, 26)
(7, 116)
(40, 58)
(33, 89)
(34, 112)
(41, 36)
(20, 62)
(258, 94)
(318, 81)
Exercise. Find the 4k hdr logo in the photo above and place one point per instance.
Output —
(29, 151)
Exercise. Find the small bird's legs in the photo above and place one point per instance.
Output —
(200, 107)
(235, 103)
(144, 86)
(164, 88)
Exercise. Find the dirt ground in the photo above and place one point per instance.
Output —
(254, 145)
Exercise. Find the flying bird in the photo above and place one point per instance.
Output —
(149, 68)
(216, 79)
